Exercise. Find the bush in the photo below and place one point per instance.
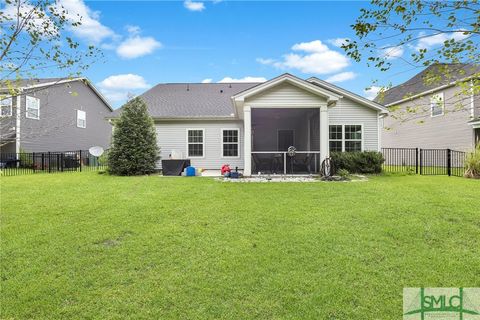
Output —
(358, 162)
(134, 148)
(343, 173)
(472, 164)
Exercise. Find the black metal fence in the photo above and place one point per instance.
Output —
(424, 161)
(14, 164)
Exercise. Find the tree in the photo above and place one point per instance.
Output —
(440, 33)
(34, 40)
(134, 148)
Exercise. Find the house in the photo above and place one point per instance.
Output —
(53, 115)
(437, 108)
(252, 125)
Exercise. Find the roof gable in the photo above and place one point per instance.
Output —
(239, 98)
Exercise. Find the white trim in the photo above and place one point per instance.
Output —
(294, 134)
(472, 100)
(286, 77)
(343, 124)
(203, 143)
(11, 106)
(379, 132)
(85, 118)
(434, 99)
(26, 107)
(238, 143)
(18, 118)
(285, 105)
(350, 95)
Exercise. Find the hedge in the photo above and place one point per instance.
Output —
(358, 162)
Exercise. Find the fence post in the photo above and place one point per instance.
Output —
(421, 161)
(449, 162)
(49, 162)
(416, 160)
(80, 152)
(43, 161)
(33, 161)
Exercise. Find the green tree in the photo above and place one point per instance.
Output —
(134, 142)
(435, 33)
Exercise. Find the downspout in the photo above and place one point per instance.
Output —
(17, 123)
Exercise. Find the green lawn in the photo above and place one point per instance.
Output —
(90, 246)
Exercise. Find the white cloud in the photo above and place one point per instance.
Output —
(427, 42)
(117, 88)
(244, 79)
(90, 29)
(194, 5)
(392, 53)
(317, 58)
(340, 77)
(338, 42)
(372, 92)
(135, 45)
(208, 80)
(39, 19)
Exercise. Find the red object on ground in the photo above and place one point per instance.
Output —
(225, 168)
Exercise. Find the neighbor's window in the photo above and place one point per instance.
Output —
(345, 138)
(230, 142)
(195, 142)
(437, 105)
(6, 107)
(81, 119)
(336, 136)
(32, 107)
(353, 138)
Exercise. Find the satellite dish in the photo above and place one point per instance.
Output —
(96, 151)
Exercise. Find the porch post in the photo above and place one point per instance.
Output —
(324, 124)
(247, 141)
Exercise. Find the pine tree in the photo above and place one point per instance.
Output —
(134, 143)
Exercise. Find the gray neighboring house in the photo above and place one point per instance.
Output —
(441, 114)
(55, 115)
(251, 125)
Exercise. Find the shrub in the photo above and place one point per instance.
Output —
(343, 173)
(358, 162)
(134, 148)
(472, 164)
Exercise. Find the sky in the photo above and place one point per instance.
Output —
(151, 42)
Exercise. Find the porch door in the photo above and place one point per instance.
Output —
(285, 139)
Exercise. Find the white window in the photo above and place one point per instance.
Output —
(6, 107)
(230, 138)
(32, 108)
(195, 143)
(81, 119)
(345, 137)
(437, 105)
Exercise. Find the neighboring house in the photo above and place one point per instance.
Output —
(53, 115)
(251, 125)
(434, 109)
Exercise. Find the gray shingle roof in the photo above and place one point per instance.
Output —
(20, 83)
(419, 83)
(191, 100)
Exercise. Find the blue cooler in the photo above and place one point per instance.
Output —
(190, 171)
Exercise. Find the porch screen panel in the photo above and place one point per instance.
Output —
(230, 143)
(195, 143)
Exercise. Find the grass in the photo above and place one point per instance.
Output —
(85, 246)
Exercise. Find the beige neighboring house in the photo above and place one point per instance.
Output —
(444, 113)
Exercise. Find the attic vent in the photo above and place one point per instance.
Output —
(230, 85)
(221, 91)
(188, 87)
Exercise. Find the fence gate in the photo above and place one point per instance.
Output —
(424, 161)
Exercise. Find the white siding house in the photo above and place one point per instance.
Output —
(251, 125)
